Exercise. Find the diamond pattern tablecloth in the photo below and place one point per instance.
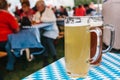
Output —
(108, 70)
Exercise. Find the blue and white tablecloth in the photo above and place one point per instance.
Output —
(108, 70)
(36, 28)
(29, 37)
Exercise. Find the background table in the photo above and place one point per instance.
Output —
(108, 70)
(36, 28)
(28, 37)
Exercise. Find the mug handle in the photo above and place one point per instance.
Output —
(108, 26)
(98, 53)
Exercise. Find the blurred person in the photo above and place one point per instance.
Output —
(27, 11)
(56, 12)
(63, 12)
(59, 15)
(76, 11)
(74, 8)
(89, 11)
(80, 11)
(70, 12)
(92, 6)
(84, 10)
(18, 12)
(8, 25)
(45, 14)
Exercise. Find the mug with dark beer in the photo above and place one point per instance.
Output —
(96, 22)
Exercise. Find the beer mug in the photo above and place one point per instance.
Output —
(77, 46)
(96, 22)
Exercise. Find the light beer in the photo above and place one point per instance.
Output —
(83, 44)
(77, 50)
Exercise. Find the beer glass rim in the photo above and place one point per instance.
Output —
(83, 17)
(83, 21)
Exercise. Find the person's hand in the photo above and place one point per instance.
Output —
(59, 16)
(34, 22)
(63, 16)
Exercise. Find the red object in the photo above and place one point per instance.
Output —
(8, 24)
(28, 14)
(80, 12)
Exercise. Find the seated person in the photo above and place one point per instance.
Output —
(27, 14)
(8, 25)
(19, 11)
(45, 14)
(27, 11)
(63, 12)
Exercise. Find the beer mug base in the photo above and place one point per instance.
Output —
(95, 65)
(75, 76)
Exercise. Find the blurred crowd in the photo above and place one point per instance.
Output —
(27, 16)
(60, 12)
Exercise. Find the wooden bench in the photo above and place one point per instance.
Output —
(3, 54)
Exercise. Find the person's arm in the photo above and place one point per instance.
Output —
(13, 23)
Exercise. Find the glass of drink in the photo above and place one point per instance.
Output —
(77, 46)
(97, 22)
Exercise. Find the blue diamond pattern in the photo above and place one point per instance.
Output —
(108, 70)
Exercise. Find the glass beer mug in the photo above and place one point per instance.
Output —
(83, 43)
(94, 23)
(77, 46)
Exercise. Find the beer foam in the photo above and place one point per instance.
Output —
(77, 24)
(100, 23)
(83, 21)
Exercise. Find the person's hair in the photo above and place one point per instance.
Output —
(86, 5)
(3, 4)
(79, 6)
(40, 1)
(61, 6)
(26, 3)
(73, 8)
(21, 1)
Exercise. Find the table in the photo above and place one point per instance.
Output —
(28, 37)
(108, 70)
(35, 28)
(24, 40)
